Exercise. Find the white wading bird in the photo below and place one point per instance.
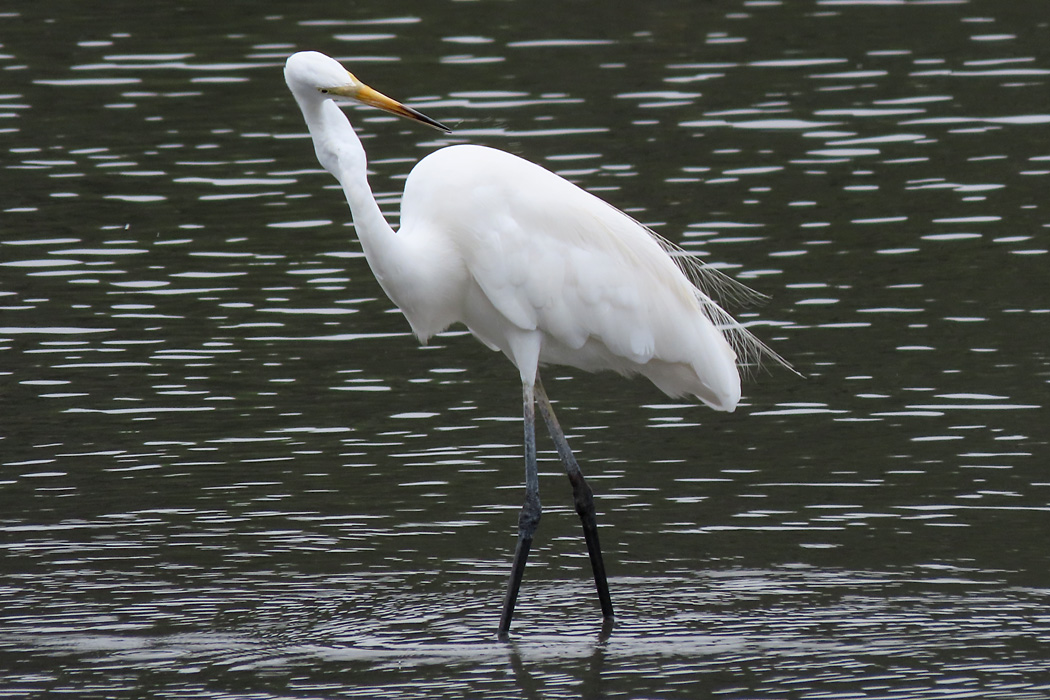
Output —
(534, 267)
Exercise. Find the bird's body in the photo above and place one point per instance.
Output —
(546, 272)
(533, 265)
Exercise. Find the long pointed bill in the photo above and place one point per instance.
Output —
(373, 98)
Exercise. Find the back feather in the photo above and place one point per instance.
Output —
(710, 284)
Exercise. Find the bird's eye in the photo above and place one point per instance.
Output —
(324, 91)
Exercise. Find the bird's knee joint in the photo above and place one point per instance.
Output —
(582, 496)
(529, 518)
(584, 505)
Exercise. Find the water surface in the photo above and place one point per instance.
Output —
(228, 470)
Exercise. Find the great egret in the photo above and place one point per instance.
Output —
(534, 267)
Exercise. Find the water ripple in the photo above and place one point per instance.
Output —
(228, 470)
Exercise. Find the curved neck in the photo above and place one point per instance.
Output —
(340, 151)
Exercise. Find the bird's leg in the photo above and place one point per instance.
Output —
(582, 497)
(529, 518)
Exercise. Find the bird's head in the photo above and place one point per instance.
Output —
(313, 75)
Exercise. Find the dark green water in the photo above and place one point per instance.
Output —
(228, 470)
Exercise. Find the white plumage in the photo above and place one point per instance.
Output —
(543, 270)
(535, 267)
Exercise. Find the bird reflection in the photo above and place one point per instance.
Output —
(591, 685)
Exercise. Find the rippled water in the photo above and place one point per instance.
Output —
(227, 470)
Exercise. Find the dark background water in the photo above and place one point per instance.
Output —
(228, 470)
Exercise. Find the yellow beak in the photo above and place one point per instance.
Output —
(360, 92)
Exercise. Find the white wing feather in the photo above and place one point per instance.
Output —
(543, 257)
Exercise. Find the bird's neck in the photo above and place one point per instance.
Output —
(340, 152)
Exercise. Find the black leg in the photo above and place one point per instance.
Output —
(529, 518)
(582, 497)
